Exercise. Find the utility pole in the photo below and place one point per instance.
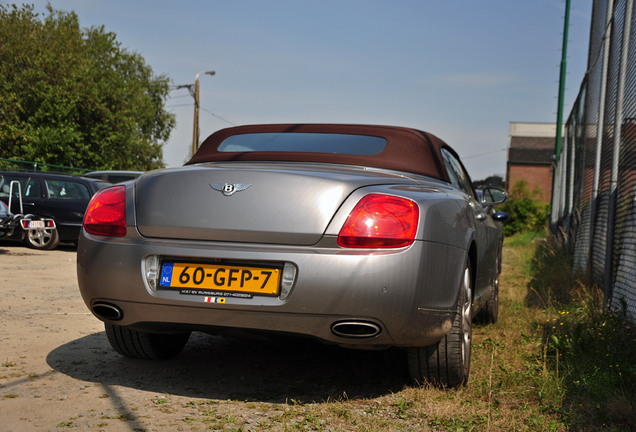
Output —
(557, 147)
(195, 138)
(557, 198)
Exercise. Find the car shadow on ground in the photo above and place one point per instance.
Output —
(15, 246)
(214, 367)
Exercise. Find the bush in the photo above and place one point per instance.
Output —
(525, 210)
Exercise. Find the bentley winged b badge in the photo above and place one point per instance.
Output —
(228, 189)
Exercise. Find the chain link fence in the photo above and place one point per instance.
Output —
(18, 165)
(594, 189)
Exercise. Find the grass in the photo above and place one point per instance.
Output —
(555, 361)
(591, 350)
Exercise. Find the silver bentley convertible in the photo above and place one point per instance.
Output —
(366, 237)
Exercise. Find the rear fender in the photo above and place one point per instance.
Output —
(443, 217)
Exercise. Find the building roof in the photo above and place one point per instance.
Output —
(531, 143)
(530, 156)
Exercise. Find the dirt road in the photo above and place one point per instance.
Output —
(57, 370)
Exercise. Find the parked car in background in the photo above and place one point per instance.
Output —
(113, 176)
(6, 224)
(63, 198)
(367, 237)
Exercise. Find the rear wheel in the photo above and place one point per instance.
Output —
(447, 363)
(44, 239)
(152, 346)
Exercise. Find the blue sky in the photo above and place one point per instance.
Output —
(461, 70)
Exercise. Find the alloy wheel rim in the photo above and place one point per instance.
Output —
(40, 237)
(466, 320)
(496, 287)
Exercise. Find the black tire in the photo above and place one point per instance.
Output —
(489, 313)
(447, 363)
(151, 346)
(43, 239)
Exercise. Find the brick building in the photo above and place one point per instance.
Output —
(530, 156)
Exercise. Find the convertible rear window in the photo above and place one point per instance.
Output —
(376, 146)
(303, 142)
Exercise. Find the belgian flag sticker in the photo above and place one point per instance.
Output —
(214, 300)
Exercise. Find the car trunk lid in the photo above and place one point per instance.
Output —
(288, 204)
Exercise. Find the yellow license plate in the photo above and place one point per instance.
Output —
(253, 280)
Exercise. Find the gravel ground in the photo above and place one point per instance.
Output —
(58, 371)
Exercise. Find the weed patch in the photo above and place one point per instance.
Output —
(593, 354)
(588, 352)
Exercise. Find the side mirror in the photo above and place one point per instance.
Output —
(492, 196)
(500, 216)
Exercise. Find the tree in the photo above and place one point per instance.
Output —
(73, 96)
(492, 181)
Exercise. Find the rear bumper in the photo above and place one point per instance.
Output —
(143, 316)
(410, 294)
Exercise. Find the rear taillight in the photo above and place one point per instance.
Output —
(106, 213)
(380, 221)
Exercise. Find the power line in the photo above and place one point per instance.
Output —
(220, 118)
(179, 97)
(180, 86)
(483, 154)
(190, 88)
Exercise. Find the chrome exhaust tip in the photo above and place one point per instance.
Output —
(107, 311)
(355, 329)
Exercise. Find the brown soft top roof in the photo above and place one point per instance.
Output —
(408, 150)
